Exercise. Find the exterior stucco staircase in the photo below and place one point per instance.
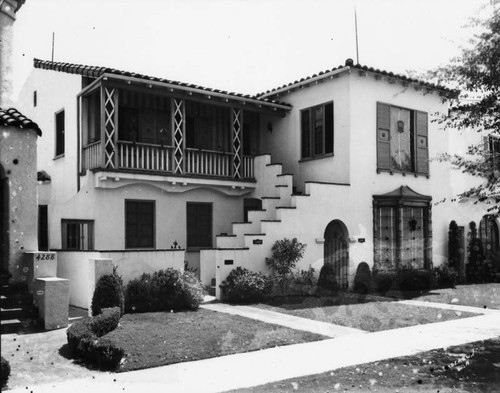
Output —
(252, 241)
(17, 308)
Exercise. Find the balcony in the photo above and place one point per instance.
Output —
(161, 159)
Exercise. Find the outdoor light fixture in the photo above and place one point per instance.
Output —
(401, 126)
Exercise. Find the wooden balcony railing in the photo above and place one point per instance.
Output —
(92, 156)
(208, 162)
(149, 157)
(144, 156)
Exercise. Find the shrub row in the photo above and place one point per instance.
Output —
(85, 339)
(242, 285)
(4, 372)
(164, 290)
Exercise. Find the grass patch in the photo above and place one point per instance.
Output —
(477, 295)
(473, 367)
(365, 313)
(158, 339)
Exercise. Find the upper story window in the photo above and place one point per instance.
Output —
(91, 117)
(139, 224)
(492, 148)
(60, 125)
(144, 118)
(317, 131)
(402, 140)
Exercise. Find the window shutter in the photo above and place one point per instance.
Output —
(422, 143)
(383, 136)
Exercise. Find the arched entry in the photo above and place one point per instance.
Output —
(336, 251)
(489, 235)
(4, 220)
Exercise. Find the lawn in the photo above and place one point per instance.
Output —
(366, 313)
(157, 339)
(473, 367)
(477, 295)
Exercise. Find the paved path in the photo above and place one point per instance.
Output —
(291, 361)
(290, 321)
(454, 307)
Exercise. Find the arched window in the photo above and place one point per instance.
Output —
(488, 233)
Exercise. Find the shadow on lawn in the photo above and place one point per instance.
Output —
(299, 302)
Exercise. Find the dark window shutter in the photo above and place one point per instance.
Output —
(329, 128)
(422, 143)
(306, 133)
(59, 133)
(139, 224)
(383, 136)
(199, 225)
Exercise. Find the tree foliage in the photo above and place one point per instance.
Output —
(285, 255)
(476, 73)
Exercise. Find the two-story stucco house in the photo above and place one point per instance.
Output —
(152, 172)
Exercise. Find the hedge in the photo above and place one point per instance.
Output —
(4, 372)
(244, 286)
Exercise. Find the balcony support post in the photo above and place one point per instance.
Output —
(179, 140)
(237, 133)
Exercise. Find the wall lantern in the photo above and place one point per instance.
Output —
(401, 126)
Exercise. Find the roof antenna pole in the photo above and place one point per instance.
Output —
(53, 35)
(356, 30)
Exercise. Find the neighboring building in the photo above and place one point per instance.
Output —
(18, 188)
(151, 172)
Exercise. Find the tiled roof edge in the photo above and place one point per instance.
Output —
(95, 72)
(13, 118)
(350, 64)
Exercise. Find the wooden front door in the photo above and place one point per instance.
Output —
(336, 252)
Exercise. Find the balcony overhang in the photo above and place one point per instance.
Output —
(114, 179)
(188, 92)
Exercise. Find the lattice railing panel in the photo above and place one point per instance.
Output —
(178, 135)
(237, 134)
(109, 127)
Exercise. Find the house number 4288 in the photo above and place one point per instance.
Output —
(45, 257)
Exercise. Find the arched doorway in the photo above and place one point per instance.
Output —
(4, 220)
(489, 235)
(336, 251)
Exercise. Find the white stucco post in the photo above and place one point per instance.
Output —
(98, 267)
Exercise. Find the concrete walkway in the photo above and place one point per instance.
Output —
(453, 307)
(290, 321)
(291, 361)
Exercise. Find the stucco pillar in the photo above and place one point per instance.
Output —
(38, 265)
(52, 298)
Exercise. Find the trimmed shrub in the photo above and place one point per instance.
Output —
(445, 277)
(108, 293)
(413, 280)
(384, 280)
(453, 245)
(77, 332)
(4, 372)
(363, 278)
(303, 282)
(85, 340)
(137, 294)
(285, 255)
(327, 280)
(105, 322)
(172, 289)
(243, 286)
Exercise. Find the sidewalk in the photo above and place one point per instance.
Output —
(275, 364)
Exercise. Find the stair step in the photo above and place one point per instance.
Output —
(255, 234)
(269, 197)
(286, 207)
(276, 163)
(11, 313)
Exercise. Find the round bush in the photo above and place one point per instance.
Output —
(327, 280)
(4, 372)
(243, 286)
(137, 294)
(362, 279)
(108, 293)
(172, 289)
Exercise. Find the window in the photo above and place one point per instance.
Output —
(402, 140)
(144, 118)
(490, 238)
(199, 225)
(35, 98)
(60, 133)
(77, 234)
(43, 228)
(91, 118)
(317, 130)
(492, 148)
(402, 230)
(139, 224)
(208, 127)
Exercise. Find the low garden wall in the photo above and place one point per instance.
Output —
(83, 268)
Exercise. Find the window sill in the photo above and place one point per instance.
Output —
(394, 171)
(58, 157)
(329, 155)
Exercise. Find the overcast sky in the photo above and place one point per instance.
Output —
(246, 46)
